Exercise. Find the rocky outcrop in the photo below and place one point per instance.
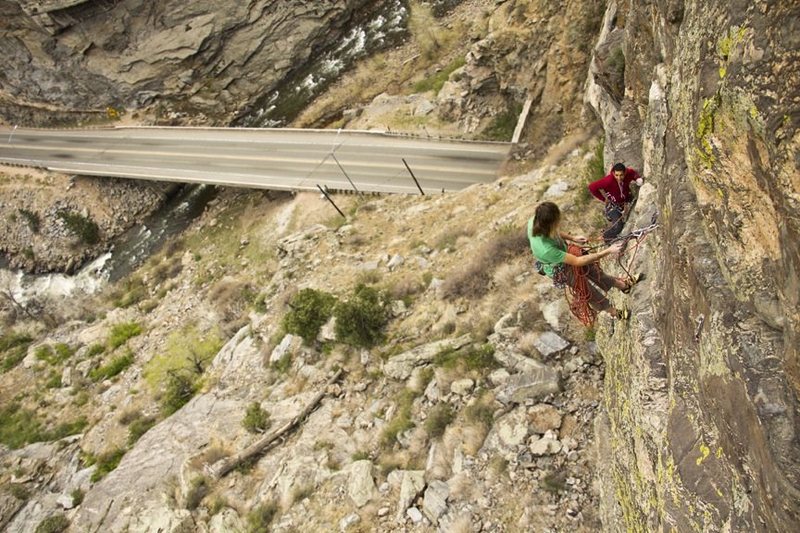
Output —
(215, 59)
(702, 386)
(35, 235)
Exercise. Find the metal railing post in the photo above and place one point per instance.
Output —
(414, 177)
(324, 192)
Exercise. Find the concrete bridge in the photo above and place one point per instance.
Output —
(281, 159)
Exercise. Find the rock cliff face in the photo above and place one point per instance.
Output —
(702, 386)
(85, 56)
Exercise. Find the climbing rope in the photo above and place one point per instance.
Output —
(579, 293)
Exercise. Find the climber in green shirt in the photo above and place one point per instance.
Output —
(549, 246)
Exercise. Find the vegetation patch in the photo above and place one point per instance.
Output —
(82, 227)
(361, 319)
(198, 489)
(178, 370)
(438, 420)
(20, 426)
(53, 524)
(259, 519)
(436, 81)
(705, 129)
(502, 126)
(54, 355)
(77, 496)
(105, 463)
(120, 333)
(472, 358)
(139, 427)
(474, 280)
(402, 418)
(181, 386)
(256, 419)
(309, 309)
(32, 219)
(13, 349)
(112, 368)
(593, 171)
(129, 292)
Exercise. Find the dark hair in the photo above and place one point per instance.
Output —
(547, 214)
(618, 166)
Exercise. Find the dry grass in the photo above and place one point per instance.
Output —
(474, 280)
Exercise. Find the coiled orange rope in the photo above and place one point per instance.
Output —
(578, 294)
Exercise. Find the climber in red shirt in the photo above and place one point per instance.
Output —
(614, 190)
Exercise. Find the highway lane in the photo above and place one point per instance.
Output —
(284, 159)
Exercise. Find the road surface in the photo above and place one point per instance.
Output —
(282, 159)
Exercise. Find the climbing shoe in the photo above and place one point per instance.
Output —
(633, 281)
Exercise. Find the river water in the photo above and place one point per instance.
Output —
(128, 251)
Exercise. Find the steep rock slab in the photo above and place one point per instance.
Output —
(702, 386)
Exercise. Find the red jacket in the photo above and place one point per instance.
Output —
(619, 195)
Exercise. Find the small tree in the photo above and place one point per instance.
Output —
(360, 320)
(309, 310)
(256, 419)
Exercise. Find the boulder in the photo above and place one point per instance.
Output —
(434, 503)
(548, 343)
(543, 417)
(360, 485)
(400, 366)
(411, 485)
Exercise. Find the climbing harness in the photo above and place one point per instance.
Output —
(578, 294)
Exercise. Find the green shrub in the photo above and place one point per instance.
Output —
(19, 491)
(53, 524)
(106, 463)
(283, 364)
(402, 418)
(19, 427)
(256, 419)
(112, 368)
(95, 349)
(139, 427)
(77, 496)
(65, 429)
(360, 455)
(130, 292)
(480, 413)
(436, 81)
(309, 310)
(13, 349)
(259, 519)
(120, 333)
(33, 220)
(54, 381)
(361, 319)
(181, 387)
(54, 355)
(472, 358)
(438, 420)
(82, 227)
